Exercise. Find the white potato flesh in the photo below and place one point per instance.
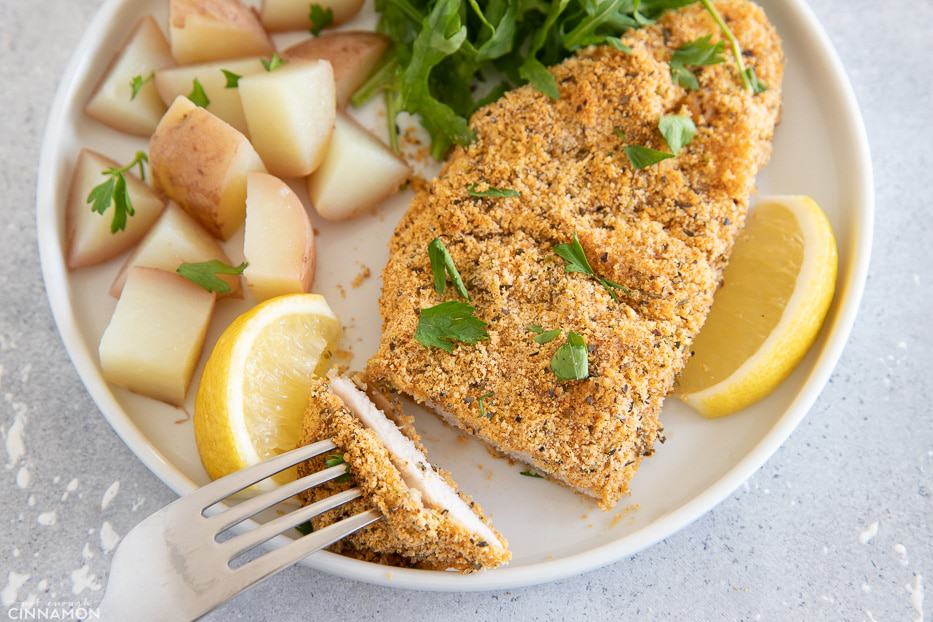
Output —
(202, 163)
(154, 339)
(206, 30)
(224, 102)
(281, 15)
(278, 241)
(358, 172)
(352, 54)
(113, 103)
(176, 238)
(290, 115)
(90, 240)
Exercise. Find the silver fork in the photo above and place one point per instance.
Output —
(172, 566)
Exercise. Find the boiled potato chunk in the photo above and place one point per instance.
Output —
(352, 54)
(202, 163)
(290, 115)
(280, 15)
(279, 239)
(224, 102)
(113, 103)
(89, 238)
(154, 338)
(176, 238)
(358, 172)
(206, 30)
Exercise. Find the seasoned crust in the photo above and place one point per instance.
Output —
(665, 232)
(411, 534)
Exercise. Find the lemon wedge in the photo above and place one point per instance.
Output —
(775, 294)
(254, 389)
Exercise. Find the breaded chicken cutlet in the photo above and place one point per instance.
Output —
(663, 232)
(427, 522)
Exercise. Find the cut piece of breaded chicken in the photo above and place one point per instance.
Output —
(664, 232)
(428, 522)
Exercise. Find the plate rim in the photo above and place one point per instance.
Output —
(54, 277)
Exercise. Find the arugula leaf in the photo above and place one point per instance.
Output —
(138, 82)
(492, 192)
(441, 325)
(530, 473)
(482, 406)
(197, 95)
(273, 63)
(442, 266)
(575, 261)
(114, 190)
(571, 361)
(616, 42)
(205, 274)
(321, 17)
(532, 69)
(543, 336)
(677, 130)
(642, 157)
(233, 79)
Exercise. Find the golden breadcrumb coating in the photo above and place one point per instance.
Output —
(664, 231)
(411, 533)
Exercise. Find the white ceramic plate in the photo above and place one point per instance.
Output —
(820, 150)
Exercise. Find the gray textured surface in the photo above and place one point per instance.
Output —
(786, 547)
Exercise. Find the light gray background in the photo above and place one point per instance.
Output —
(794, 544)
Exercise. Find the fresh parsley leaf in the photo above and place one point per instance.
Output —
(530, 473)
(114, 190)
(575, 261)
(273, 63)
(543, 336)
(746, 74)
(571, 361)
(332, 461)
(305, 528)
(642, 157)
(492, 192)
(619, 133)
(677, 130)
(442, 325)
(233, 79)
(138, 82)
(696, 53)
(197, 95)
(321, 17)
(481, 401)
(205, 274)
(442, 266)
(757, 85)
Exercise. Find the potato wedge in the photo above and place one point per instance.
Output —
(281, 15)
(358, 172)
(176, 238)
(290, 115)
(224, 102)
(154, 339)
(353, 54)
(206, 30)
(202, 163)
(113, 103)
(279, 240)
(88, 233)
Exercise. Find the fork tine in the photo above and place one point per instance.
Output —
(283, 557)
(235, 482)
(242, 511)
(246, 541)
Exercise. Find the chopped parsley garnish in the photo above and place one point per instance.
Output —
(575, 261)
(205, 274)
(321, 17)
(115, 191)
(619, 133)
(530, 473)
(697, 53)
(334, 460)
(749, 79)
(543, 336)
(273, 63)
(481, 401)
(442, 266)
(492, 192)
(677, 130)
(233, 79)
(442, 325)
(642, 157)
(305, 528)
(571, 361)
(138, 82)
(197, 95)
